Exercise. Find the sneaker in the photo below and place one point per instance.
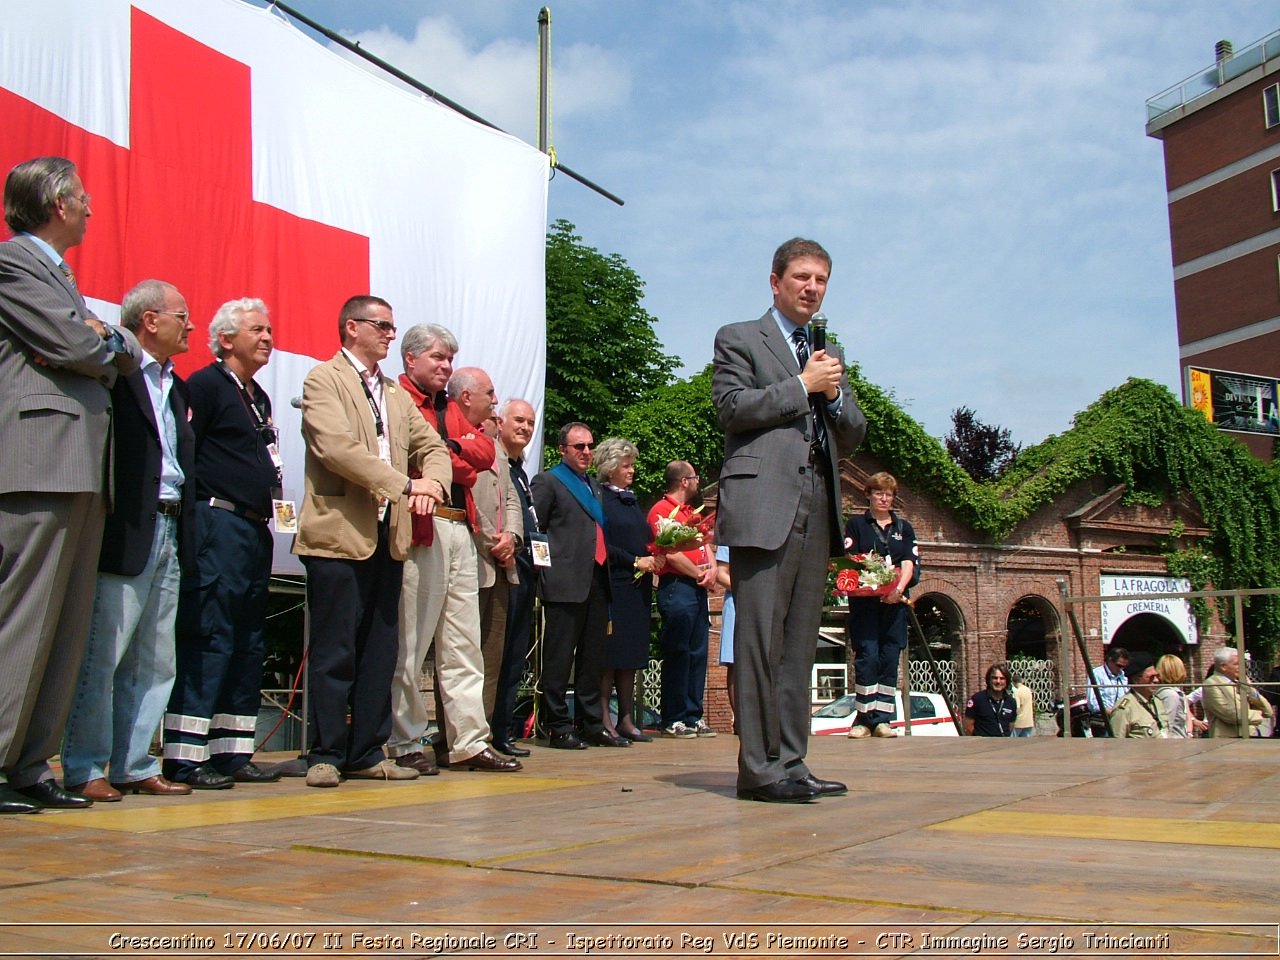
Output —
(384, 770)
(858, 732)
(679, 731)
(322, 775)
(884, 730)
(703, 729)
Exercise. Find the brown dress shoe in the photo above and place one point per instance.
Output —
(486, 759)
(97, 789)
(156, 786)
(424, 764)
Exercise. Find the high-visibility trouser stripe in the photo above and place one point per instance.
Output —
(180, 723)
(236, 722)
(197, 752)
(231, 745)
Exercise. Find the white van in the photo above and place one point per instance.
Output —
(929, 716)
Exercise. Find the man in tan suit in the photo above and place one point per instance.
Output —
(371, 460)
(57, 366)
(1222, 707)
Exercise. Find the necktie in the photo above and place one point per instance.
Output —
(602, 553)
(66, 272)
(801, 339)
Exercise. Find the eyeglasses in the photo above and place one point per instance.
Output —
(181, 316)
(385, 326)
(84, 198)
(693, 476)
(581, 447)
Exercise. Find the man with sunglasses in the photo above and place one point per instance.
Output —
(213, 709)
(575, 594)
(371, 462)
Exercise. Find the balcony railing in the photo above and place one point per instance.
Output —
(1206, 81)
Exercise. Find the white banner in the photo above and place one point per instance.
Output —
(1175, 610)
(232, 155)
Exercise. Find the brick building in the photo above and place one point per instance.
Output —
(1221, 134)
(982, 602)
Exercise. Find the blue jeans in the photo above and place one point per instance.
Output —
(1022, 731)
(685, 626)
(128, 669)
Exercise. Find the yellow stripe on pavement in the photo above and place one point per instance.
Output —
(220, 808)
(1215, 833)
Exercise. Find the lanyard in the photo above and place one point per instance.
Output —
(368, 395)
(266, 431)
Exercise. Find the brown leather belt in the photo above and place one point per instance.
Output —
(451, 513)
(169, 508)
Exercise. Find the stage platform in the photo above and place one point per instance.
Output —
(942, 847)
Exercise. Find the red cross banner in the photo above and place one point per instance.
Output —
(232, 155)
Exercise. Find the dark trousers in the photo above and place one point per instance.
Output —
(574, 640)
(355, 613)
(222, 609)
(878, 633)
(515, 651)
(685, 626)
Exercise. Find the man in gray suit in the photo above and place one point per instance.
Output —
(789, 416)
(57, 365)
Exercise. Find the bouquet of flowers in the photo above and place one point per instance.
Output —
(673, 536)
(864, 575)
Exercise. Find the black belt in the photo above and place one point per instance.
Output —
(169, 508)
(227, 505)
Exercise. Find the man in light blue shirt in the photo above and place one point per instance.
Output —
(1109, 679)
(129, 663)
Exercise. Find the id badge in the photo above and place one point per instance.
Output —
(541, 548)
(273, 449)
(284, 516)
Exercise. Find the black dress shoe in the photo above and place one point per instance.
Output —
(566, 741)
(252, 773)
(510, 748)
(47, 793)
(780, 791)
(603, 738)
(204, 777)
(486, 759)
(825, 788)
(11, 801)
(636, 736)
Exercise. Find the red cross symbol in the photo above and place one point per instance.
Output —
(177, 204)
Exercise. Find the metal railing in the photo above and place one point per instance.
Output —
(1206, 81)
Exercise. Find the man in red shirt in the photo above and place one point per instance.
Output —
(440, 598)
(682, 601)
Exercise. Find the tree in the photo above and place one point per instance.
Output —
(982, 451)
(675, 422)
(603, 355)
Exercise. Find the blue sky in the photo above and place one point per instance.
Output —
(979, 171)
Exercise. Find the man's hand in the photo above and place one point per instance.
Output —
(707, 578)
(504, 551)
(424, 495)
(822, 375)
(97, 326)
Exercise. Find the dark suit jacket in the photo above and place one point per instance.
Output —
(55, 418)
(131, 526)
(572, 535)
(763, 408)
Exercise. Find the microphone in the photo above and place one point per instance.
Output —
(296, 403)
(818, 331)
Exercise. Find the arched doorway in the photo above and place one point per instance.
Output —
(1149, 635)
(943, 625)
(1032, 634)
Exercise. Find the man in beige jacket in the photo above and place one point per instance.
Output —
(1222, 707)
(371, 460)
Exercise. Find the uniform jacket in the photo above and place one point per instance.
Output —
(55, 419)
(764, 410)
(131, 525)
(344, 475)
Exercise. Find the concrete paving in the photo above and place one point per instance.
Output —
(942, 847)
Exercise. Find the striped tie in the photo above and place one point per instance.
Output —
(66, 272)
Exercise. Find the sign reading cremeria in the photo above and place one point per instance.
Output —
(1175, 610)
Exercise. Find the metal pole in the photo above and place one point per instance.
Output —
(1242, 682)
(544, 79)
